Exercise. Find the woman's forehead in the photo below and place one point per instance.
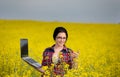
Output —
(61, 34)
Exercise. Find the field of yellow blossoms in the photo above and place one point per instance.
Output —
(98, 46)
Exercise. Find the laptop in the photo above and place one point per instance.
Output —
(24, 54)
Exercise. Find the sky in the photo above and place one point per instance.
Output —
(87, 11)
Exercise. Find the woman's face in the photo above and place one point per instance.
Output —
(60, 39)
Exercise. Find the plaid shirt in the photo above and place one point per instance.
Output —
(47, 58)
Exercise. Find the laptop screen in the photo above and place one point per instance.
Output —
(24, 47)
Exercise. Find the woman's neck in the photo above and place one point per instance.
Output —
(58, 47)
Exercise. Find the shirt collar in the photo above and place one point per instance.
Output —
(64, 48)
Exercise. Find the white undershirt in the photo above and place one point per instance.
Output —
(55, 58)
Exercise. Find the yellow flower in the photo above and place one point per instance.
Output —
(47, 57)
(61, 56)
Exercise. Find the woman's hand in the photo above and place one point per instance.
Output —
(74, 54)
(41, 70)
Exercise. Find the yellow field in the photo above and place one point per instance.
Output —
(99, 46)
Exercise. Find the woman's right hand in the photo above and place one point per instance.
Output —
(41, 70)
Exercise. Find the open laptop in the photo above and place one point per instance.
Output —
(24, 54)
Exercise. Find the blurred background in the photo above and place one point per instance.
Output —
(86, 11)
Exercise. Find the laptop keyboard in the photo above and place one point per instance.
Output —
(31, 60)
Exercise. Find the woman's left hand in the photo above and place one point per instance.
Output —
(74, 54)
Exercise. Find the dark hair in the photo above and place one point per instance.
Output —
(58, 30)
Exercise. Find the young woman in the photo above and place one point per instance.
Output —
(58, 54)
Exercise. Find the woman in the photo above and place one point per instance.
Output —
(58, 54)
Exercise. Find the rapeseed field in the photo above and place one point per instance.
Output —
(98, 46)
